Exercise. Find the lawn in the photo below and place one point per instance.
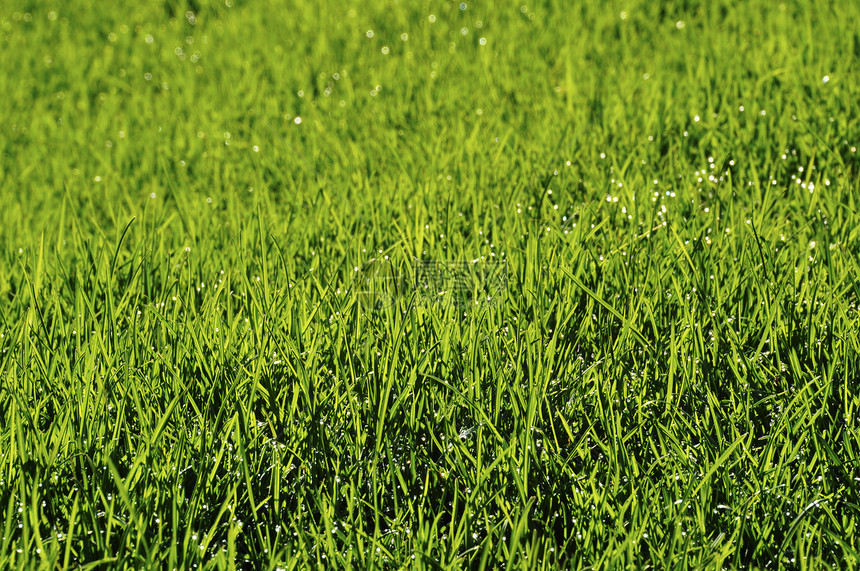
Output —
(443, 285)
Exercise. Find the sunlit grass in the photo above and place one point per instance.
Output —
(219, 220)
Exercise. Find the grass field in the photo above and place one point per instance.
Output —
(390, 285)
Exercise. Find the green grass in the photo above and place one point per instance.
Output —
(214, 354)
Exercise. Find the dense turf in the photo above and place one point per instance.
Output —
(218, 221)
